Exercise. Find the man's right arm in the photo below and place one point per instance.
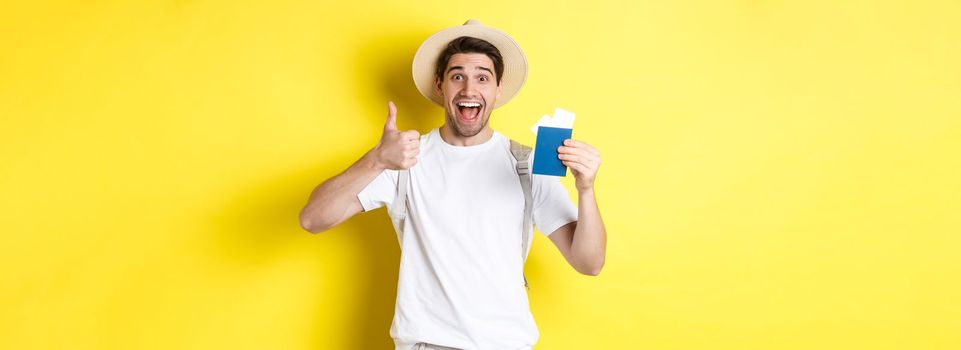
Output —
(335, 200)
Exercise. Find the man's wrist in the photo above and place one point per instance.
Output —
(372, 161)
(587, 191)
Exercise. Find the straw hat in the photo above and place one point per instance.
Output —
(425, 61)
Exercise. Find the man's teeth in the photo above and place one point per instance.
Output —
(469, 104)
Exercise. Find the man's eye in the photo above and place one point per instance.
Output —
(483, 78)
(457, 77)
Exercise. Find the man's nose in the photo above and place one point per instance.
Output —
(470, 86)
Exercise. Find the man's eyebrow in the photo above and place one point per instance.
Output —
(462, 68)
(453, 68)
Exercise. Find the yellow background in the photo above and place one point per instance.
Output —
(777, 174)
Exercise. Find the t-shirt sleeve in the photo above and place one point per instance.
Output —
(379, 192)
(553, 207)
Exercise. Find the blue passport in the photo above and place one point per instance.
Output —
(545, 150)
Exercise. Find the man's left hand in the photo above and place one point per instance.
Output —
(583, 160)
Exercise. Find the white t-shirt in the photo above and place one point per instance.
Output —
(461, 279)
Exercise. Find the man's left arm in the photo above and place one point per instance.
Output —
(583, 242)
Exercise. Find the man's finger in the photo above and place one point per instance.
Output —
(391, 116)
(587, 161)
(572, 158)
(410, 135)
(581, 168)
(573, 150)
(581, 144)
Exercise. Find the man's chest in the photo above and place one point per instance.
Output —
(485, 187)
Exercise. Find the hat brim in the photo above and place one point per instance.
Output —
(425, 61)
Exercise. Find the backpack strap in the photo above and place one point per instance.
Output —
(522, 154)
(398, 212)
(400, 202)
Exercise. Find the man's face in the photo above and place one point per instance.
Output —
(469, 90)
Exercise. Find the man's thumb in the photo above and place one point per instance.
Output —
(391, 116)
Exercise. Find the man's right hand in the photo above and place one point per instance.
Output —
(397, 150)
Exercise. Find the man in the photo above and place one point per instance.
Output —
(461, 281)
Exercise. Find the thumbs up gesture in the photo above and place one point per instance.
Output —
(397, 150)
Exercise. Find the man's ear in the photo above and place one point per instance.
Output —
(437, 85)
(500, 87)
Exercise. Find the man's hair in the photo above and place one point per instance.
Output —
(466, 44)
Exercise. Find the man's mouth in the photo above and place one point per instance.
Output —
(468, 110)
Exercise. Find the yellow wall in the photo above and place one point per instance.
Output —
(777, 174)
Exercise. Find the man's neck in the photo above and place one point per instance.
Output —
(452, 138)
